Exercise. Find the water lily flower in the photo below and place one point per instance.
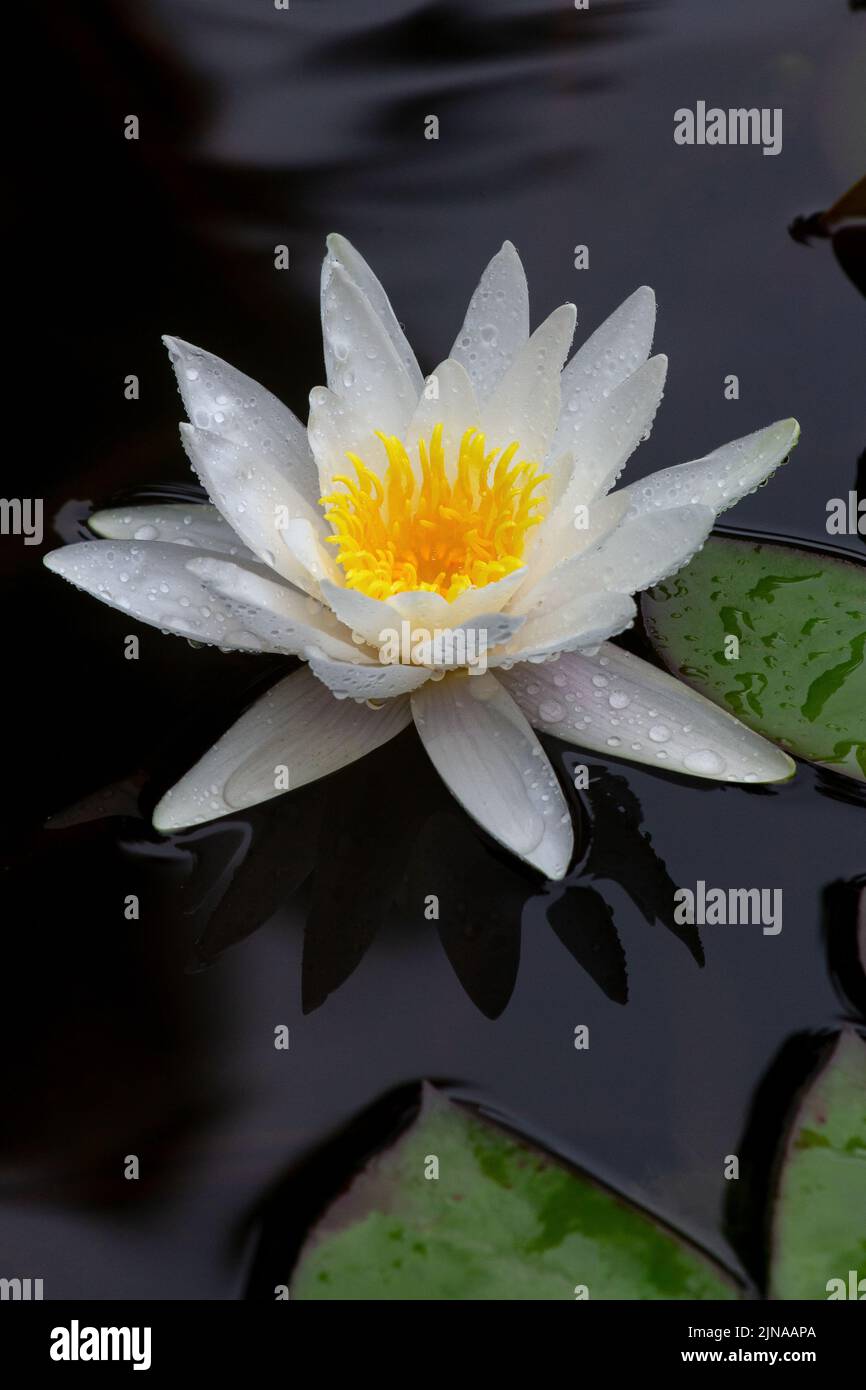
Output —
(480, 502)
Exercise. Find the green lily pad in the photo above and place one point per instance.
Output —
(819, 1224)
(501, 1221)
(799, 618)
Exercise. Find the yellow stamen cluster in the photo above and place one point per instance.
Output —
(438, 533)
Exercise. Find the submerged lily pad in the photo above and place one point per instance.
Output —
(799, 619)
(502, 1220)
(819, 1225)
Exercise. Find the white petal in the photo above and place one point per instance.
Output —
(361, 361)
(617, 704)
(150, 580)
(614, 351)
(486, 598)
(283, 618)
(470, 643)
(582, 621)
(496, 324)
(297, 725)
(453, 406)
(639, 553)
(371, 618)
(312, 561)
(554, 542)
(336, 430)
(487, 755)
(220, 398)
(722, 477)
(197, 524)
(344, 253)
(525, 404)
(353, 682)
(251, 492)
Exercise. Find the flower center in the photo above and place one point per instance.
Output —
(446, 534)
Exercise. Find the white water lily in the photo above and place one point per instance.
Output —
(479, 502)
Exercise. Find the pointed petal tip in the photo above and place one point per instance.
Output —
(53, 560)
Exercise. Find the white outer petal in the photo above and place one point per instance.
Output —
(198, 525)
(342, 252)
(297, 725)
(220, 398)
(286, 620)
(252, 494)
(719, 479)
(361, 360)
(496, 324)
(582, 621)
(349, 681)
(486, 753)
(525, 404)
(654, 718)
(157, 588)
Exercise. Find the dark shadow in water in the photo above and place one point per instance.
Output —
(583, 921)
(383, 843)
(843, 915)
(748, 1210)
(622, 852)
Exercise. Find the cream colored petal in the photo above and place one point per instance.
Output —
(486, 753)
(447, 399)
(525, 404)
(297, 726)
(638, 554)
(336, 430)
(371, 618)
(312, 560)
(614, 351)
(562, 539)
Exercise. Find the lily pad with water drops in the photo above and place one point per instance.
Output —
(459, 1208)
(796, 673)
(819, 1227)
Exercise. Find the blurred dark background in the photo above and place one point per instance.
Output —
(260, 127)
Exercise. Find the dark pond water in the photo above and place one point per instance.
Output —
(150, 1037)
